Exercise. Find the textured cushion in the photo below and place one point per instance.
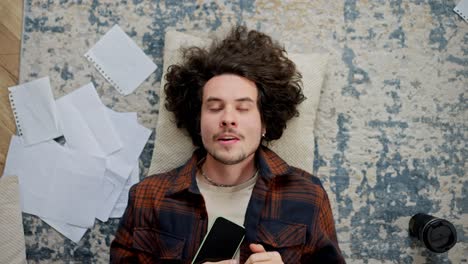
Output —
(173, 146)
(12, 247)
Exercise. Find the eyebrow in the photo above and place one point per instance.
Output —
(242, 99)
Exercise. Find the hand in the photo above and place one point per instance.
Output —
(229, 261)
(260, 255)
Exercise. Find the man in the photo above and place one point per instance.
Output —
(229, 98)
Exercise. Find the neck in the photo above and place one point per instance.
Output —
(229, 175)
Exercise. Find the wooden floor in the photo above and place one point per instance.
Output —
(11, 19)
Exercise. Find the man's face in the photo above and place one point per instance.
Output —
(231, 126)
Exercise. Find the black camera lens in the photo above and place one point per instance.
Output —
(438, 235)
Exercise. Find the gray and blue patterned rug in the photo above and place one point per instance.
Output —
(392, 126)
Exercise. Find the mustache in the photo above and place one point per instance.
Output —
(228, 131)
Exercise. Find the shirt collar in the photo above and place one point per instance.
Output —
(270, 165)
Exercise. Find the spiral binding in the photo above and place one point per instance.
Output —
(461, 14)
(15, 113)
(101, 70)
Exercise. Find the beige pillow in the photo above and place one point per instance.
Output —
(12, 247)
(173, 147)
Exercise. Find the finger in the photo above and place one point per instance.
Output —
(275, 255)
(257, 248)
(258, 257)
(270, 257)
(229, 261)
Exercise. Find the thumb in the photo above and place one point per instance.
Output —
(257, 248)
(229, 261)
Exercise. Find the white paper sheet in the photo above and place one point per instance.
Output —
(86, 124)
(462, 9)
(122, 202)
(56, 182)
(74, 233)
(112, 187)
(119, 59)
(121, 163)
(35, 112)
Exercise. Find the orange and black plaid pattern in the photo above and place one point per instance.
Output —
(289, 212)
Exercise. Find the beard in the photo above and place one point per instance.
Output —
(228, 158)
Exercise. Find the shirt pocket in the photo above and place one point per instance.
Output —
(157, 246)
(286, 238)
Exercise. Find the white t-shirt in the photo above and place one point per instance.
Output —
(228, 202)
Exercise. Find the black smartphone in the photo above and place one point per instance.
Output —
(221, 242)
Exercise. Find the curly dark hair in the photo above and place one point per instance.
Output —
(249, 54)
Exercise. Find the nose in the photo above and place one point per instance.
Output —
(228, 119)
(227, 124)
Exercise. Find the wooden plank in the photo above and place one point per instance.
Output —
(10, 63)
(6, 116)
(11, 19)
(9, 43)
(5, 135)
(11, 15)
(6, 78)
(7, 122)
(7, 125)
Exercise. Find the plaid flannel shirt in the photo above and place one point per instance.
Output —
(289, 212)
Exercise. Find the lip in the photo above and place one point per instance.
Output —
(228, 142)
(232, 139)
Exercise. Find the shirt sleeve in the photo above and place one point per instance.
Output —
(326, 249)
(121, 250)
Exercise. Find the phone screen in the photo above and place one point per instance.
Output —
(221, 242)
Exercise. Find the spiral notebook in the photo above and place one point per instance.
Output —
(35, 112)
(462, 9)
(119, 59)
